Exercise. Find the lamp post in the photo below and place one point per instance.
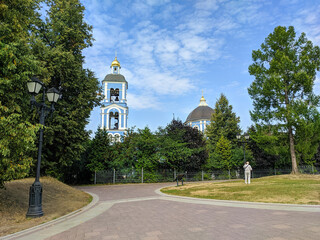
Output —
(35, 193)
(246, 138)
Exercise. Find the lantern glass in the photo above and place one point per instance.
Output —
(34, 86)
(238, 136)
(246, 136)
(53, 95)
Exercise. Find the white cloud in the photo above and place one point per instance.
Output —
(136, 101)
(308, 21)
(207, 5)
(164, 44)
(157, 2)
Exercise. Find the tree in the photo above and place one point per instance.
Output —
(99, 152)
(183, 146)
(307, 136)
(124, 152)
(317, 156)
(284, 70)
(263, 159)
(174, 154)
(224, 122)
(223, 154)
(145, 149)
(59, 44)
(17, 65)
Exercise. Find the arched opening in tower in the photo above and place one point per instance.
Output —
(114, 120)
(114, 95)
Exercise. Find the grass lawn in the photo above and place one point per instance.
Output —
(58, 199)
(294, 189)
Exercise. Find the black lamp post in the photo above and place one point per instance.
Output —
(35, 193)
(246, 138)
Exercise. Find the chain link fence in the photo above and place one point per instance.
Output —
(132, 175)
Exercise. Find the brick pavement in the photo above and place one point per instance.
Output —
(136, 211)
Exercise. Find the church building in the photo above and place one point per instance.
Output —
(114, 109)
(200, 117)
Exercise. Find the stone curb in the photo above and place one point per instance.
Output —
(94, 201)
(241, 204)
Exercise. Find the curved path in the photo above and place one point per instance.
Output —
(140, 211)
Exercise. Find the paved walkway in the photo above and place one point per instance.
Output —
(140, 211)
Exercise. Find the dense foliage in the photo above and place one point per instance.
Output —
(287, 121)
(17, 65)
(50, 47)
(61, 37)
(183, 147)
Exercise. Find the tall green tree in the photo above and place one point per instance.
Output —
(17, 65)
(285, 70)
(224, 122)
(61, 38)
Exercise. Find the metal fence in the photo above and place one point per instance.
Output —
(132, 175)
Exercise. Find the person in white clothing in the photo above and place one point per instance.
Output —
(247, 172)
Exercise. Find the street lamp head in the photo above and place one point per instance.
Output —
(246, 136)
(238, 136)
(53, 95)
(34, 86)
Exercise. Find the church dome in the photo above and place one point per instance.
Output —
(115, 62)
(202, 112)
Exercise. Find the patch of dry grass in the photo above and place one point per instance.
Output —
(294, 189)
(58, 199)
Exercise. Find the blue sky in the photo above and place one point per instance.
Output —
(170, 51)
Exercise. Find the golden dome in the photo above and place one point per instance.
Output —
(203, 101)
(115, 62)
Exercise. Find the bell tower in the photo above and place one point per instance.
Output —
(114, 109)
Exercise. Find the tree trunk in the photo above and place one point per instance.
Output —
(293, 153)
(291, 139)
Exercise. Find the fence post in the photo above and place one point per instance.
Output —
(95, 177)
(141, 175)
(114, 176)
(201, 175)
